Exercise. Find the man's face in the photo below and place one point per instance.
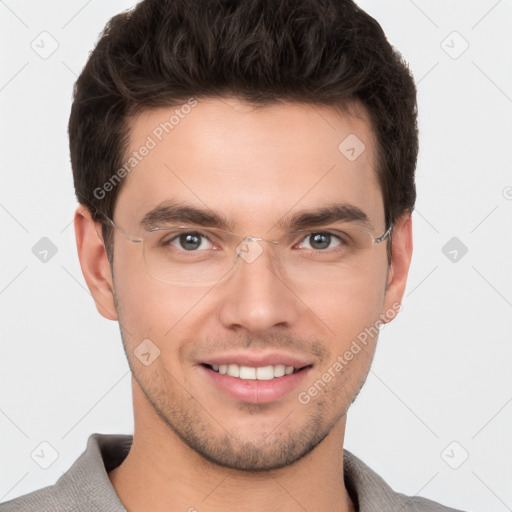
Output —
(254, 167)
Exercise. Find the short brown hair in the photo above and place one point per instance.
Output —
(162, 52)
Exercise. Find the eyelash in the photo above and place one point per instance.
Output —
(305, 236)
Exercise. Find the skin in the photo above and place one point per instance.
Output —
(195, 447)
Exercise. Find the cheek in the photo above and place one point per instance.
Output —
(352, 321)
(143, 304)
(151, 309)
(343, 310)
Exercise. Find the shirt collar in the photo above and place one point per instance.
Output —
(88, 476)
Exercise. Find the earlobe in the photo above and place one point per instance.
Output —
(401, 254)
(94, 262)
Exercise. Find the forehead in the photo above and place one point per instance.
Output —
(253, 165)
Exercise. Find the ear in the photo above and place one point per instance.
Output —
(401, 254)
(94, 262)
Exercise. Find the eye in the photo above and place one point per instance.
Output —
(322, 240)
(191, 241)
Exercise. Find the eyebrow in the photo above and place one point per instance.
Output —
(173, 212)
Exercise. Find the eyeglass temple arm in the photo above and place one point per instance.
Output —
(128, 237)
(384, 236)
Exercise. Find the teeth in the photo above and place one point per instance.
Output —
(279, 370)
(265, 373)
(234, 370)
(245, 372)
(249, 373)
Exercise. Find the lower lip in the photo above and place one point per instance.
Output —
(256, 391)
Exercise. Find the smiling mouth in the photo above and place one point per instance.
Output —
(268, 372)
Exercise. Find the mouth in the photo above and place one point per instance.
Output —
(268, 372)
(256, 384)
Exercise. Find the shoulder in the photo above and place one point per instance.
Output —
(85, 486)
(372, 494)
(43, 500)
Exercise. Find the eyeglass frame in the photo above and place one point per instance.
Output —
(139, 240)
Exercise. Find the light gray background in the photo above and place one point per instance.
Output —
(442, 368)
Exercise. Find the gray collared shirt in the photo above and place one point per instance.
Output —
(85, 487)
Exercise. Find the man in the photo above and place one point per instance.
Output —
(245, 173)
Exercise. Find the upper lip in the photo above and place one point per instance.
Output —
(257, 360)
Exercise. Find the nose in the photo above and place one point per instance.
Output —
(255, 297)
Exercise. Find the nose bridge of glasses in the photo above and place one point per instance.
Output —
(250, 249)
(258, 239)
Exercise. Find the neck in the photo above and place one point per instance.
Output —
(162, 473)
